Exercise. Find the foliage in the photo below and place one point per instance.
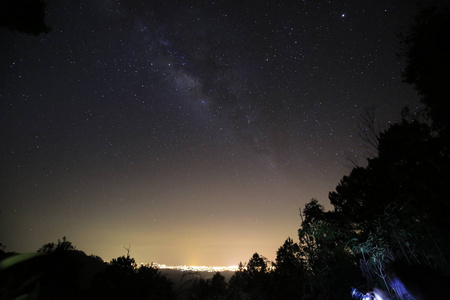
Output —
(123, 264)
(27, 16)
(289, 275)
(209, 289)
(288, 261)
(122, 279)
(237, 283)
(52, 273)
(376, 256)
(96, 257)
(323, 246)
(62, 245)
(58, 271)
(396, 207)
(426, 48)
(253, 280)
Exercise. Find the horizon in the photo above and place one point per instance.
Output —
(140, 261)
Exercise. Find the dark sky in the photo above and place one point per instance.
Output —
(192, 131)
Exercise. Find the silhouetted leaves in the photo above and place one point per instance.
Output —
(61, 245)
(289, 274)
(123, 280)
(58, 271)
(27, 16)
(426, 48)
(209, 289)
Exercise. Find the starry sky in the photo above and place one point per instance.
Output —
(191, 131)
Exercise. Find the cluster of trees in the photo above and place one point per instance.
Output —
(390, 218)
(257, 279)
(60, 271)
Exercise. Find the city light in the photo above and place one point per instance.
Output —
(193, 268)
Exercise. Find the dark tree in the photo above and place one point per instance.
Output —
(123, 264)
(253, 281)
(61, 245)
(397, 205)
(288, 261)
(426, 48)
(123, 280)
(237, 283)
(288, 279)
(55, 272)
(314, 211)
(256, 265)
(210, 289)
(151, 284)
(258, 278)
(324, 248)
(218, 286)
(410, 168)
(27, 16)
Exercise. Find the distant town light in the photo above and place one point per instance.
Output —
(194, 268)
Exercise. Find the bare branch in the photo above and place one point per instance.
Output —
(351, 158)
(128, 250)
(368, 131)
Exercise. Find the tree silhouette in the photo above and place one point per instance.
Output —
(426, 48)
(151, 284)
(396, 207)
(59, 271)
(288, 261)
(55, 273)
(61, 245)
(237, 283)
(218, 286)
(258, 278)
(324, 248)
(256, 265)
(252, 281)
(123, 264)
(27, 16)
(288, 277)
(122, 279)
(209, 289)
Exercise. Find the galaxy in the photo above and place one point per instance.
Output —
(190, 132)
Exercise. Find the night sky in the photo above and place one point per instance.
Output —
(191, 131)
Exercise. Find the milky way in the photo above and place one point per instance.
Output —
(192, 132)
